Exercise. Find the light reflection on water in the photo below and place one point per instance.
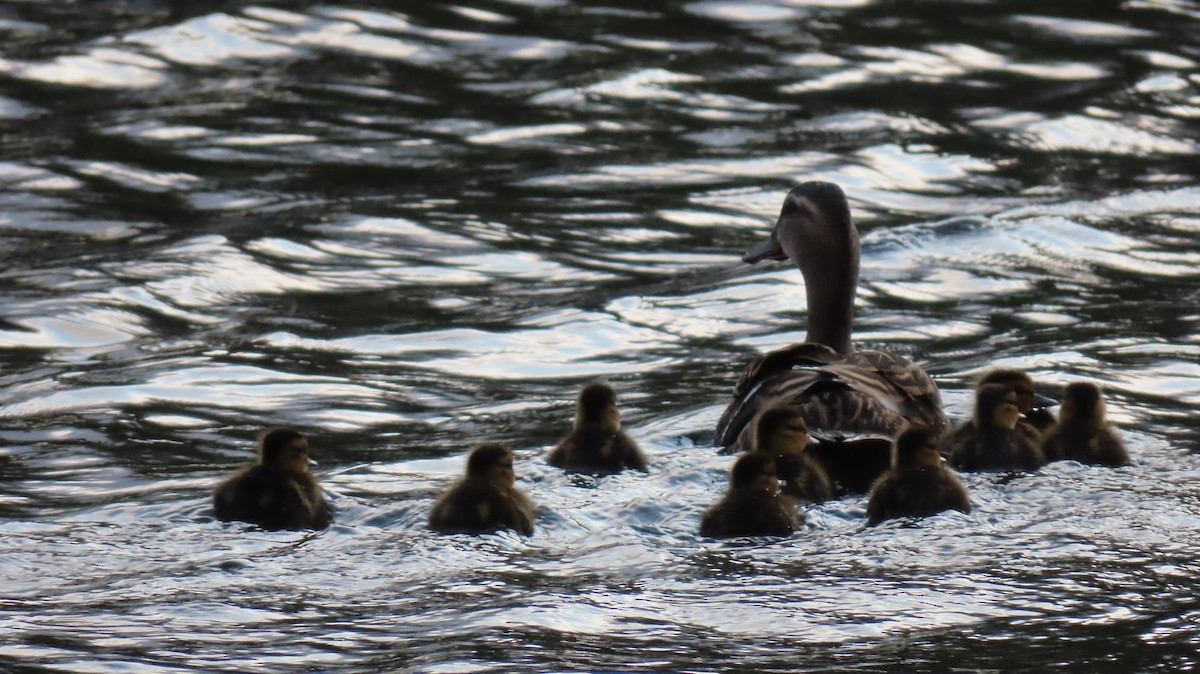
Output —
(406, 230)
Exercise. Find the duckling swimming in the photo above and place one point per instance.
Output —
(855, 402)
(918, 485)
(753, 505)
(1030, 420)
(597, 444)
(278, 492)
(1082, 434)
(781, 433)
(1032, 406)
(486, 499)
(993, 441)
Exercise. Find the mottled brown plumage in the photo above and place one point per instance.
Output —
(847, 397)
(991, 440)
(596, 443)
(781, 433)
(278, 492)
(1082, 434)
(486, 499)
(753, 505)
(917, 485)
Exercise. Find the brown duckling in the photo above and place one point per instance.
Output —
(1082, 434)
(278, 492)
(753, 505)
(781, 433)
(1028, 419)
(993, 441)
(1032, 406)
(597, 444)
(486, 499)
(918, 485)
(855, 402)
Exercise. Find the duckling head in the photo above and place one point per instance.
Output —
(916, 447)
(598, 405)
(756, 472)
(996, 407)
(284, 448)
(814, 231)
(1017, 380)
(1083, 403)
(492, 462)
(779, 431)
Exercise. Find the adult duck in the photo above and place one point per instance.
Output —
(854, 402)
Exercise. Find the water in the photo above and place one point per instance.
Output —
(407, 227)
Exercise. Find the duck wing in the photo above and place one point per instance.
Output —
(863, 395)
(896, 381)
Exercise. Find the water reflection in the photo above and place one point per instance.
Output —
(410, 228)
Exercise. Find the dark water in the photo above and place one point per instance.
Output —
(407, 227)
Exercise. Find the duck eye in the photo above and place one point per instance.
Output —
(789, 207)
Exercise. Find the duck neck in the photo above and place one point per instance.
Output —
(831, 304)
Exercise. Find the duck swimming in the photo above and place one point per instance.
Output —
(918, 485)
(991, 439)
(854, 402)
(1030, 420)
(1082, 434)
(596, 443)
(278, 492)
(486, 499)
(753, 505)
(780, 432)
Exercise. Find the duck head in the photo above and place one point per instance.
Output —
(1021, 384)
(285, 449)
(492, 462)
(598, 405)
(996, 407)
(755, 472)
(1083, 403)
(779, 431)
(814, 231)
(916, 447)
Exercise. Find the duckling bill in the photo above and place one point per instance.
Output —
(596, 443)
(485, 499)
(753, 506)
(918, 485)
(278, 492)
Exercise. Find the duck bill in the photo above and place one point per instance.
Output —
(767, 249)
(1041, 402)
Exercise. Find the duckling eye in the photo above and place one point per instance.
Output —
(789, 207)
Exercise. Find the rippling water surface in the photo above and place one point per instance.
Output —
(406, 227)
